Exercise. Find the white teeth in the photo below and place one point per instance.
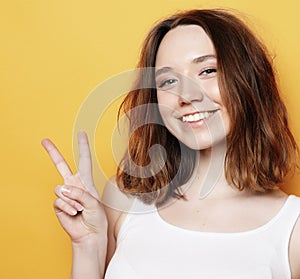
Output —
(196, 117)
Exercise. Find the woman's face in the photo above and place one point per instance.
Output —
(187, 88)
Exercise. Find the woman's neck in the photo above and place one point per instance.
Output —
(208, 180)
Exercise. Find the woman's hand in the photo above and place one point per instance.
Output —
(77, 206)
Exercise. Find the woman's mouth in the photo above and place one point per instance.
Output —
(197, 116)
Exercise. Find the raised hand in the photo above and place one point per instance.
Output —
(77, 205)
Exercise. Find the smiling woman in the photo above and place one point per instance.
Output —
(194, 97)
(216, 110)
(260, 149)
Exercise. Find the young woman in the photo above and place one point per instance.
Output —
(213, 208)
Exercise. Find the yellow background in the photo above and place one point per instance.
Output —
(52, 55)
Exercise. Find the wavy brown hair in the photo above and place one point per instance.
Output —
(261, 149)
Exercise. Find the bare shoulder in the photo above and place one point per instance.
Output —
(294, 251)
(114, 200)
(266, 205)
(116, 204)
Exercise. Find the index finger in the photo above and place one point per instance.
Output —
(57, 159)
(85, 160)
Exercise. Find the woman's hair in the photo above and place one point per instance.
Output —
(261, 149)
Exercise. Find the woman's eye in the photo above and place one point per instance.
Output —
(208, 71)
(167, 83)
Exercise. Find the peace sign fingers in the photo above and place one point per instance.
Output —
(84, 177)
(62, 166)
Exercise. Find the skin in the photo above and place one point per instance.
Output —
(80, 212)
(184, 87)
(186, 79)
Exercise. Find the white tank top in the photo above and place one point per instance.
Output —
(150, 248)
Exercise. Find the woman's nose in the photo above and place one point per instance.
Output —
(189, 91)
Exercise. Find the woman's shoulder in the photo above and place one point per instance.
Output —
(116, 205)
(276, 200)
(113, 198)
(290, 210)
(279, 204)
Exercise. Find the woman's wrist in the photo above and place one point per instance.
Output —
(89, 256)
(95, 245)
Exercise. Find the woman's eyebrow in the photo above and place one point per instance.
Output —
(203, 58)
(162, 71)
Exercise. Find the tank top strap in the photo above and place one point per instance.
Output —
(281, 227)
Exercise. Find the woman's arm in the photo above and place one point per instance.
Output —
(88, 259)
(116, 206)
(80, 212)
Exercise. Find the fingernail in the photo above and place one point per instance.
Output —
(73, 211)
(65, 190)
(79, 207)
